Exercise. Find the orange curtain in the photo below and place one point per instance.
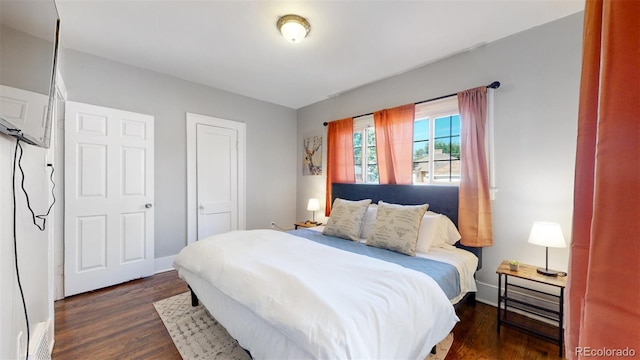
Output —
(340, 165)
(603, 291)
(474, 211)
(394, 144)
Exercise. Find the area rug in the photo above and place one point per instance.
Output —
(197, 335)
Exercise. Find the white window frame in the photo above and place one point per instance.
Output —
(433, 110)
(361, 124)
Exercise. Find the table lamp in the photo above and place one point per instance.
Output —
(313, 206)
(549, 235)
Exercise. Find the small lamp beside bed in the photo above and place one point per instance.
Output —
(548, 235)
(313, 206)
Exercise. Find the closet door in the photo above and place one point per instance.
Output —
(215, 176)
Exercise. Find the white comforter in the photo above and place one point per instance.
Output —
(333, 304)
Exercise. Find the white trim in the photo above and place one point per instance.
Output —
(487, 293)
(61, 87)
(191, 121)
(163, 264)
(437, 108)
(362, 122)
(489, 145)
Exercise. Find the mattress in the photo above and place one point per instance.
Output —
(316, 301)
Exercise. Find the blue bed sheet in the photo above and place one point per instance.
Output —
(446, 275)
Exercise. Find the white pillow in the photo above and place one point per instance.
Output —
(448, 231)
(429, 230)
(369, 221)
(397, 227)
(436, 230)
(345, 219)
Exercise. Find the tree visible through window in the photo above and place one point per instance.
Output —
(436, 144)
(364, 152)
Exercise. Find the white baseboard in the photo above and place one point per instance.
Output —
(487, 293)
(164, 264)
(51, 336)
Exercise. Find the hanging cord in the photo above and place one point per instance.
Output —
(33, 215)
(275, 226)
(17, 162)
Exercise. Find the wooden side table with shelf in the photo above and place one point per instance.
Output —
(545, 304)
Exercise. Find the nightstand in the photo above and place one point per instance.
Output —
(305, 225)
(546, 304)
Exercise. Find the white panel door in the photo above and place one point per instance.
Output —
(108, 197)
(215, 176)
(217, 179)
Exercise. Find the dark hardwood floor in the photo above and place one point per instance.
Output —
(120, 322)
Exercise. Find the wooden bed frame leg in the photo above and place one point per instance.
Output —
(194, 298)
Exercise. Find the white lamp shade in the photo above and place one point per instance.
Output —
(547, 234)
(313, 205)
(293, 32)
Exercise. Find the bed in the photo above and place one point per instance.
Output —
(294, 295)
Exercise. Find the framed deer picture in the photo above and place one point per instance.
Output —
(312, 156)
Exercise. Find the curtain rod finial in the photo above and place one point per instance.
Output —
(494, 85)
(325, 123)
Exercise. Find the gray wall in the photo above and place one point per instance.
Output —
(34, 247)
(535, 131)
(25, 61)
(271, 138)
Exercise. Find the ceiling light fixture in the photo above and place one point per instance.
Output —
(294, 28)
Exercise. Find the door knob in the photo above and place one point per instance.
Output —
(148, 206)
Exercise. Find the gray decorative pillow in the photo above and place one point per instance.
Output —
(397, 227)
(345, 220)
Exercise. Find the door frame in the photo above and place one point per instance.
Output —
(56, 253)
(192, 120)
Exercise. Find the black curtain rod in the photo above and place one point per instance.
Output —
(493, 85)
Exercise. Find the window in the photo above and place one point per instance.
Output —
(436, 144)
(364, 150)
(436, 158)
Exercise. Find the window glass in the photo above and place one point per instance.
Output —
(364, 150)
(421, 130)
(436, 145)
(357, 148)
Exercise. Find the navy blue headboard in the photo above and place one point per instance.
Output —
(441, 199)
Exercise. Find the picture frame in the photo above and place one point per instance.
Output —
(312, 155)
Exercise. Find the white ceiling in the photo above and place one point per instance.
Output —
(235, 46)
